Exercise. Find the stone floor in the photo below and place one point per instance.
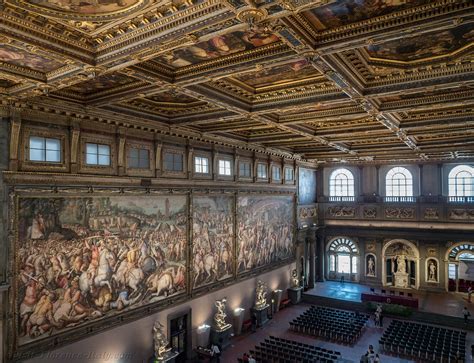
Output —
(279, 327)
(446, 303)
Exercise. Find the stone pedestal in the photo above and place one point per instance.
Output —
(401, 280)
(294, 294)
(167, 358)
(277, 294)
(261, 314)
(221, 337)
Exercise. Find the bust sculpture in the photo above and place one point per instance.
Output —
(161, 344)
(261, 295)
(295, 281)
(220, 315)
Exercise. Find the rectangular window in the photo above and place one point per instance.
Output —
(452, 271)
(224, 167)
(261, 171)
(97, 154)
(343, 264)
(45, 149)
(138, 158)
(201, 165)
(276, 173)
(289, 174)
(245, 169)
(173, 161)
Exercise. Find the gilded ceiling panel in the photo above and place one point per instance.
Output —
(285, 74)
(101, 83)
(344, 12)
(6, 83)
(430, 46)
(172, 97)
(27, 58)
(218, 46)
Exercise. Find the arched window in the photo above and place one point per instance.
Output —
(399, 183)
(343, 257)
(341, 184)
(461, 181)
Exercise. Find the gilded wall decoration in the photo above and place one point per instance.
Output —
(85, 7)
(400, 213)
(341, 211)
(82, 259)
(213, 239)
(431, 213)
(343, 12)
(461, 214)
(218, 46)
(265, 231)
(432, 251)
(424, 46)
(370, 212)
(370, 247)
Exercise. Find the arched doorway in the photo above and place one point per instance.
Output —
(400, 264)
(460, 262)
(343, 258)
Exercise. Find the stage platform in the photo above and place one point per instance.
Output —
(432, 305)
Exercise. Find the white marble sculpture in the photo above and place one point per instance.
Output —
(220, 315)
(295, 281)
(371, 266)
(432, 271)
(261, 295)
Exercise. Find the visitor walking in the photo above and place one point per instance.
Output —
(466, 315)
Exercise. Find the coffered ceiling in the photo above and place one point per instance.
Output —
(330, 81)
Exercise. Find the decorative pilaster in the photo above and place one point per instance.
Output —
(15, 127)
(75, 136)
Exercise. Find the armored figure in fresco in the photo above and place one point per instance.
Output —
(161, 344)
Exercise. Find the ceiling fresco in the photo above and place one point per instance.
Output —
(357, 81)
(426, 46)
(282, 74)
(218, 46)
(344, 12)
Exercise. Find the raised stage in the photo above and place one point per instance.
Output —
(444, 303)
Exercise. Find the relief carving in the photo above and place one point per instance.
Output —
(461, 214)
(309, 212)
(370, 212)
(431, 213)
(341, 211)
(400, 213)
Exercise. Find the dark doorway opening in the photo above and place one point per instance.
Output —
(180, 335)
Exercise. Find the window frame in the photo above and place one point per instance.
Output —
(195, 164)
(139, 167)
(245, 161)
(292, 180)
(265, 166)
(226, 167)
(98, 154)
(173, 172)
(337, 184)
(468, 189)
(274, 168)
(45, 150)
(103, 139)
(408, 185)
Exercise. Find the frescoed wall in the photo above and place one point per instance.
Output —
(86, 258)
(265, 231)
(213, 239)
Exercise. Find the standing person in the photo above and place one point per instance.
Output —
(342, 277)
(252, 359)
(381, 320)
(466, 315)
(371, 353)
(253, 317)
(469, 294)
(377, 359)
(216, 353)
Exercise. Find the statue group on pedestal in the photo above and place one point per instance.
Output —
(160, 342)
(261, 295)
(219, 317)
(295, 281)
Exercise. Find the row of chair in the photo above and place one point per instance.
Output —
(424, 342)
(336, 325)
(280, 350)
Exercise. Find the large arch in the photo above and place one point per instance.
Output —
(401, 264)
(343, 259)
(456, 256)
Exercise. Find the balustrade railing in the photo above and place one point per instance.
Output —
(399, 199)
(341, 199)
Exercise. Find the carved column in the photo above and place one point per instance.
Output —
(312, 257)
(15, 127)
(320, 242)
(75, 136)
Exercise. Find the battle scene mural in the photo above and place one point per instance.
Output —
(218, 46)
(213, 239)
(424, 46)
(81, 259)
(343, 12)
(264, 231)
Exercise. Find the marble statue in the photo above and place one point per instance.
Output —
(219, 317)
(161, 344)
(261, 295)
(432, 271)
(295, 281)
(371, 266)
(401, 266)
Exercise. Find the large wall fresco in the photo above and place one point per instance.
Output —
(213, 239)
(265, 231)
(81, 259)
(306, 186)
